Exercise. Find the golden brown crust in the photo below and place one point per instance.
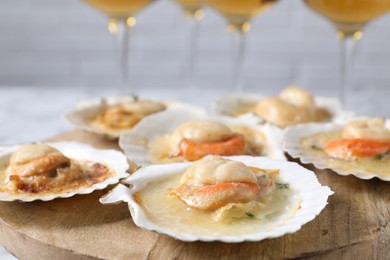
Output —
(126, 116)
(118, 117)
(78, 174)
(39, 168)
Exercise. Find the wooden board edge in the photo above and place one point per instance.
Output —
(28, 247)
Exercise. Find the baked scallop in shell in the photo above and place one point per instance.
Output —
(111, 116)
(187, 134)
(228, 199)
(291, 106)
(46, 171)
(359, 147)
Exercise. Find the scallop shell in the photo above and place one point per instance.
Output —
(294, 134)
(135, 142)
(228, 103)
(313, 198)
(113, 159)
(87, 110)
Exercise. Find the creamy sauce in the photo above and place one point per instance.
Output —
(169, 212)
(255, 140)
(243, 108)
(106, 129)
(312, 146)
(3, 176)
(161, 149)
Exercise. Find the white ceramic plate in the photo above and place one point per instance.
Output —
(113, 159)
(313, 198)
(136, 142)
(292, 145)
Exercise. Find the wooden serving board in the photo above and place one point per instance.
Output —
(354, 225)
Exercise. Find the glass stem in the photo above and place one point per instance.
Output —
(192, 52)
(120, 29)
(347, 55)
(239, 59)
(124, 53)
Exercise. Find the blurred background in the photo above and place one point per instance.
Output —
(66, 43)
(55, 52)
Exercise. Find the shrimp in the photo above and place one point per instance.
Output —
(349, 148)
(36, 160)
(214, 182)
(367, 129)
(193, 151)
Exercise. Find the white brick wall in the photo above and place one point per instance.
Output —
(62, 43)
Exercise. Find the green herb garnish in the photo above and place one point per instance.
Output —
(315, 147)
(135, 97)
(250, 215)
(379, 156)
(382, 155)
(283, 186)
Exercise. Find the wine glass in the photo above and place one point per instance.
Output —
(193, 12)
(191, 8)
(121, 19)
(238, 14)
(349, 17)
